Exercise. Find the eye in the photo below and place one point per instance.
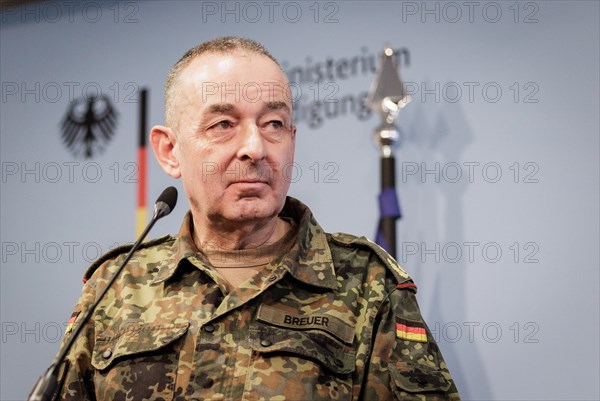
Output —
(223, 124)
(275, 124)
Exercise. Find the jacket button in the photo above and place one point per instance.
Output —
(273, 278)
(107, 354)
(338, 363)
(265, 343)
(209, 328)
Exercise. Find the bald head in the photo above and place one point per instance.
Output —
(226, 45)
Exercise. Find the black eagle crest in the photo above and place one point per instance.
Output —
(89, 125)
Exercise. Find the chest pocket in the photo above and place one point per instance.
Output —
(139, 362)
(414, 380)
(299, 364)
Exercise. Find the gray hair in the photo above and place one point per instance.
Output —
(222, 45)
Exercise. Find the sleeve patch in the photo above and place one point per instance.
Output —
(410, 330)
(71, 323)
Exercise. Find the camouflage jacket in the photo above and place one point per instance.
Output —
(333, 319)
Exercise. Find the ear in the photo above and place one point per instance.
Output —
(164, 142)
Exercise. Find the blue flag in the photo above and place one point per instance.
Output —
(388, 207)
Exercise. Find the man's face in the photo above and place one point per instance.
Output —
(235, 137)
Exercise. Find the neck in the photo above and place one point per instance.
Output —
(245, 235)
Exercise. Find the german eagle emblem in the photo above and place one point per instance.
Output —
(89, 125)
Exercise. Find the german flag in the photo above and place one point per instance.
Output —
(71, 323)
(141, 213)
(410, 330)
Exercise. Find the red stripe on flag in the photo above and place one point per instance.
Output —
(73, 317)
(408, 329)
(141, 194)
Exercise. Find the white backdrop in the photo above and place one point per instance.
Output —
(498, 171)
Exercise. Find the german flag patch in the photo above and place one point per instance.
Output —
(410, 330)
(71, 323)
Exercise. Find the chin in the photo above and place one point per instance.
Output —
(253, 209)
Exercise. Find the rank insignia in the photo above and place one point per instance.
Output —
(410, 330)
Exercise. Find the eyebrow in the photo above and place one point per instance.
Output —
(223, 108)
(220, 108)
(277, 106)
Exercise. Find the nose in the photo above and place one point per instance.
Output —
(251, 143)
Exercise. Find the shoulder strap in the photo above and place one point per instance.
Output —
(351, 240)
(113, 253)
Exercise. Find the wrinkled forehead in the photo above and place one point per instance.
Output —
(234, 78)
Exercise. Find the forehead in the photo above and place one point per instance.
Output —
(233, 78)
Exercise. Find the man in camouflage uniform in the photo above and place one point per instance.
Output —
(251, 300)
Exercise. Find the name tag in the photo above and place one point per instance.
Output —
(331, 324)
(311, 321)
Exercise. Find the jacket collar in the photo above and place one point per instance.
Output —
(309, 260)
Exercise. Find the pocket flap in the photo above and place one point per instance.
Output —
(136, 339)
(418, 378)
(321, 348)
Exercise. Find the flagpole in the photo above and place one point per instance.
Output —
(387, 97)
(388, 184)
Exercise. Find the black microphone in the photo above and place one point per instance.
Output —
(46, 385)
(165, 203)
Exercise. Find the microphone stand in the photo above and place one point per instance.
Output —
(45, 387)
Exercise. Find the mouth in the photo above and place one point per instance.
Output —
(249, 188)
(249, 183)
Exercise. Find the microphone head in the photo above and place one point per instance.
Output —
(166, 202)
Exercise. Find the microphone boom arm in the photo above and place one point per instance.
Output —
(46, 384)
